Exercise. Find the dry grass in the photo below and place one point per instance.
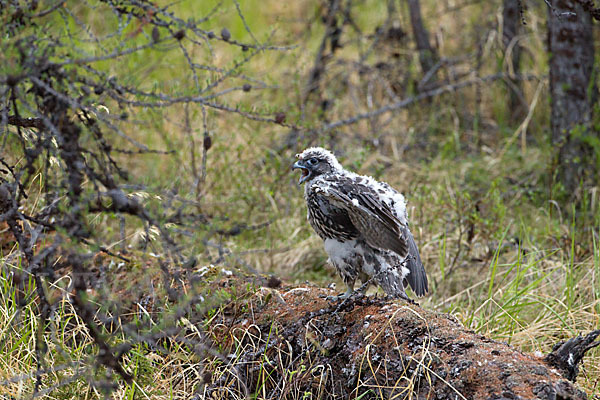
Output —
(500, 255)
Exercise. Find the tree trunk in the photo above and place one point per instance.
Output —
(571, 47)
(511, 21)
(427, 55)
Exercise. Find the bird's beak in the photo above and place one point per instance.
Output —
(305, 171)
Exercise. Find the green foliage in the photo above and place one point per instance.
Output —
(502, 255)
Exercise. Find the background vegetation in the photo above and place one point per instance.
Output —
(105, 290)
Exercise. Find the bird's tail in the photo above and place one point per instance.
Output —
(417, 278)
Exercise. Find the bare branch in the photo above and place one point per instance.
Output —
(414, 99)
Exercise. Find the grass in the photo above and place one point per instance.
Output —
(500, 253)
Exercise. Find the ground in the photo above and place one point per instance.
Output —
(293, 340)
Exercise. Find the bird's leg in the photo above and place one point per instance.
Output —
(365, 285)
(342, 296)
(401, 295)
(345, 295)
(404, 297)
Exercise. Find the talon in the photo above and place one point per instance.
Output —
(337, 298)
(342, 296)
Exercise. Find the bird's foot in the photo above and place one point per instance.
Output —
(342, 296)
(401, 296)
(348, 300)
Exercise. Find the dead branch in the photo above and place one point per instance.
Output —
(567, 355)
(65, 121)
(414, 99)
(589, 6)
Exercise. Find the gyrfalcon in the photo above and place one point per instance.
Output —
(363, 224)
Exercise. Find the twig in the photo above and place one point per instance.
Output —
(414, 99)
(559, 14)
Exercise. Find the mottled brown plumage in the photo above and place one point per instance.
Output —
(363, 225)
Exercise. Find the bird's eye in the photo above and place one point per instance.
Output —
(312, 161)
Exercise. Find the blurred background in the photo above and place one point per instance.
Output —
(146, 150)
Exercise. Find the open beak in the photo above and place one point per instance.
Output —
(305, 172)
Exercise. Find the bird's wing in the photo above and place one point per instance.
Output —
(371, 216)
(378, 222)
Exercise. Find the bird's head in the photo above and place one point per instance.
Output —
(315, 161)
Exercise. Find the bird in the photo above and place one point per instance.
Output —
(363, 224)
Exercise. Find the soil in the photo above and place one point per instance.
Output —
(293, 340)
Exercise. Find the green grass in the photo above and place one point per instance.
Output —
(500, 253)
